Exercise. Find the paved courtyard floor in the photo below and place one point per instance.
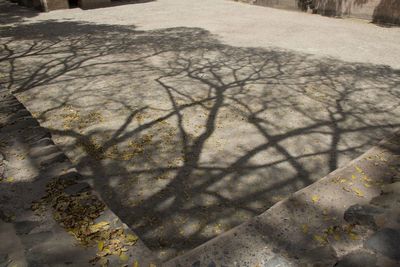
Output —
(190, 117)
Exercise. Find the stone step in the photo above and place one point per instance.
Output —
(351, 217)
(39, 190)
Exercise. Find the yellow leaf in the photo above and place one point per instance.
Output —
(366, 178)
(336, 236)
(100, 245)
(358, 192)
(124, 257)
(353, 177)
(305, 228)
(320, 239)
(330, 230)
(130, 240)
(358, 169)
(136, 264)
(10, 179)
(315, 198)
(353, 236)
(99, 226)
(346, 189)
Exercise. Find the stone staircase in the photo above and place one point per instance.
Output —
(44, 203)
(351, 217)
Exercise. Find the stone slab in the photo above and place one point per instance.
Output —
(29, 167)
(300, 229)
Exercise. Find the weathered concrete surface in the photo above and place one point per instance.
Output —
(186, 136)
(314, 228)
(29, 161)
(245, 25)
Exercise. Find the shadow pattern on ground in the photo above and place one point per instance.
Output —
(185, 137)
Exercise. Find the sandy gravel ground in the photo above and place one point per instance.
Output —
(190, 117)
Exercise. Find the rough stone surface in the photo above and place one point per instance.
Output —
(278, 262)
(245, 26)
(358, 259)
(387, 242)
(160, 115)
(77, 188)
(310, 227)
(30, 239)
(362, 214)
(392, 188)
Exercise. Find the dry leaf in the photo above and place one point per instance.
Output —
(320, 239)
(353, 236)
(124, 257)
(358, 169)
(358, 192)
(100, 245)
(315, 198)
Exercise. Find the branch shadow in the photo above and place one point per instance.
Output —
(12, 13)
(185, 137)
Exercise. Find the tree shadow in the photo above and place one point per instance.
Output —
(185, 137)
(13, 13)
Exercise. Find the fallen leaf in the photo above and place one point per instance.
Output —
(100, 245)
(131, 238)
(336, 236)
(315, 198)
(353, 236)
(358, 169)
(358, 192)
(345, 189)
(99, 226)
(124, 257)
(305, 228)
(320, 239)
(10, 179)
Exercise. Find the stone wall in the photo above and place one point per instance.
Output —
(380, 11)
(387, 11)
(49, 5)
(55, 4)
